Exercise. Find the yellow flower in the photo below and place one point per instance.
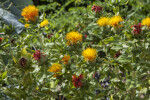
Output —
(30, 13)
(44, 23)
(103, 21)
(115, 20)
(89, 54)
(55, 68)
(26, 25)
(146, 22)
(66, 59)
(73, 37)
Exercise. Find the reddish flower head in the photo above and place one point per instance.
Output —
(97, 8)
(23, 62)
(13, 41)
(85, 36)
(136, 29)
(77, 80)
(1, 39)
(37, 55)
(49, 36)
(117, 54)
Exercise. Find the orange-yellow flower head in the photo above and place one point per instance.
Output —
(89, 54)
(66, 59)
(115, 21)
(55, 68)
(26, 25)
(30, 13)
(73, 38)
(44, 23)
(103, 21)
(146, 22)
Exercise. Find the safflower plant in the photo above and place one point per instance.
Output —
(86, 57)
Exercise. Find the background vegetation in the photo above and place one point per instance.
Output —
(121, 70)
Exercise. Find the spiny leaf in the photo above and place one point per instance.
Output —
(24, 52)
(14, 59)
(4, 74)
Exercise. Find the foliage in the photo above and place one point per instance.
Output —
(33, 64)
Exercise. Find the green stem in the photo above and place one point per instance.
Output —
(80, 95)
(44, 74)
(10, 46)
(40, 38)
(2, 60)
(134, 91)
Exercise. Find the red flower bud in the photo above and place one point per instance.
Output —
(12, 41)
(117, 54)
(1, 39)
(97, 8)
(136, 29)
(77, 80)
(85, 36)
(80, 77)
(49, 36)
(37, 55)
(23, 62)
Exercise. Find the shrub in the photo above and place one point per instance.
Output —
(74, 55)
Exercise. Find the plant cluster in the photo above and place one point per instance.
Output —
(85, 53)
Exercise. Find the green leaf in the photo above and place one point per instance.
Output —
(115, 80)
(23, 52)
(130, 15)
(143, 90)
(14, 59)
(128, 67)
(109, 40)
(124, 59)
(4, 74)
(117, 47)
(6, 58)
(29, 55)
(128, 35)
(120, 85)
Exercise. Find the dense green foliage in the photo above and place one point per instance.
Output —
(121, 70)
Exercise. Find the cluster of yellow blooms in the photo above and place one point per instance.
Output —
(73, 38)
(113, 21)
(89, 54)
(30, 13)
